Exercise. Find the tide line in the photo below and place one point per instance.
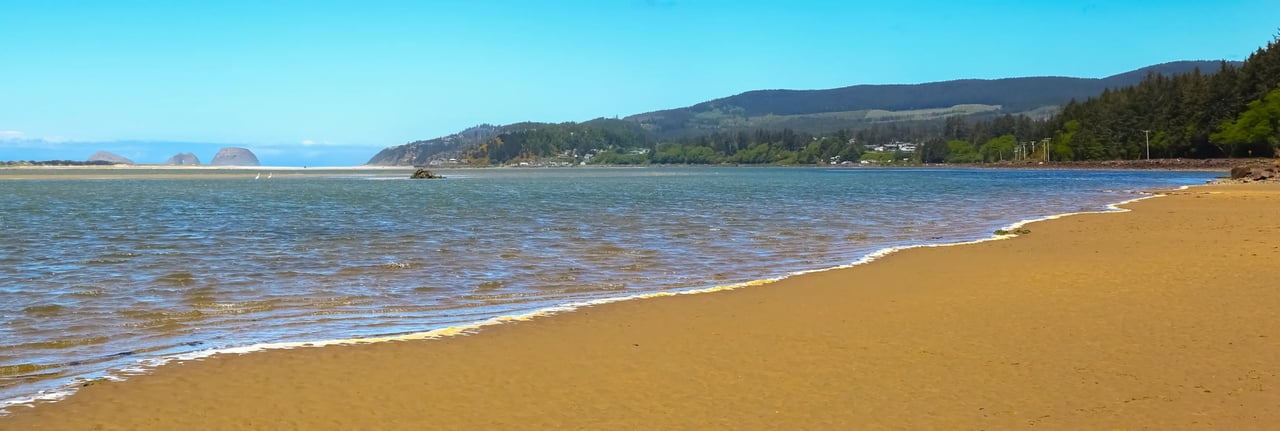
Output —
(145, 365)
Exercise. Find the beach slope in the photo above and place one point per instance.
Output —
(1166, 317)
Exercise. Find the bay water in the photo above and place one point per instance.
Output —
(99, 276)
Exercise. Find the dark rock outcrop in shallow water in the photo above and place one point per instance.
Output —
(235, 156)
(183, 159)
(423, 174)
(104, 156)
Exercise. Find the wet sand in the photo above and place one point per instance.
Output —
(1166, 317)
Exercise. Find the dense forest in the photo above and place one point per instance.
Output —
(1231, 111)
(817, 111)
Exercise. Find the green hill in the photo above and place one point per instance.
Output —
(806, 111)
(810, 110)
(519, 140)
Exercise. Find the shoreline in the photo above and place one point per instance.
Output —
(147, 365)
(494, 334)
(1192, 165)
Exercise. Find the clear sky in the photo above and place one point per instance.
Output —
(332, 82)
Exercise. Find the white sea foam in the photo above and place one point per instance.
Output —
(146, 365)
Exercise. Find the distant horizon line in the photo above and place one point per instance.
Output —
(9, 136)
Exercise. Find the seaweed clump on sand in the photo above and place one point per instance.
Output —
(1019, 231)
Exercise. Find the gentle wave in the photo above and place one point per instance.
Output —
(671, 250)
(144, 366)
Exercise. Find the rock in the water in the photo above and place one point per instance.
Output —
(103, 156)
(235, 156)
(423, 174)
(183, 159)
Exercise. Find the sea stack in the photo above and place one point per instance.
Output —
(115, 159)
(183, 159)
(235, 156)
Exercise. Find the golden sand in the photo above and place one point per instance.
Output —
(1161, 318)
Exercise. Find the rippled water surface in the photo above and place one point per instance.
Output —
(96, 274)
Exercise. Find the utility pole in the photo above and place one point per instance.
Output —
(1147, 134)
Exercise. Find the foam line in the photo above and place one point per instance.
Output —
(144, 366)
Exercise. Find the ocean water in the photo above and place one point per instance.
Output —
(99, 276)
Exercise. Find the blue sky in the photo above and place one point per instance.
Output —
(332, 82)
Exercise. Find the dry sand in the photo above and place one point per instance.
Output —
(1160, 318)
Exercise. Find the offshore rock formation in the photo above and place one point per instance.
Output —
(235, 156)
(104, 156)
(423, 174)
(183, 159)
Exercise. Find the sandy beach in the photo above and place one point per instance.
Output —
(1165, 317)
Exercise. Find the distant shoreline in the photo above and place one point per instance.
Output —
(174, 171)
(199, 167)
(31, 172)
(1141, 164)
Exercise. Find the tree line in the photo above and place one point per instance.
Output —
(1231, 112)
(619, 142)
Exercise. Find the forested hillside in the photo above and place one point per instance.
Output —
(421, 152)
(1184, 109)
(1232, 113)
(806, 108)
(564, 143)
